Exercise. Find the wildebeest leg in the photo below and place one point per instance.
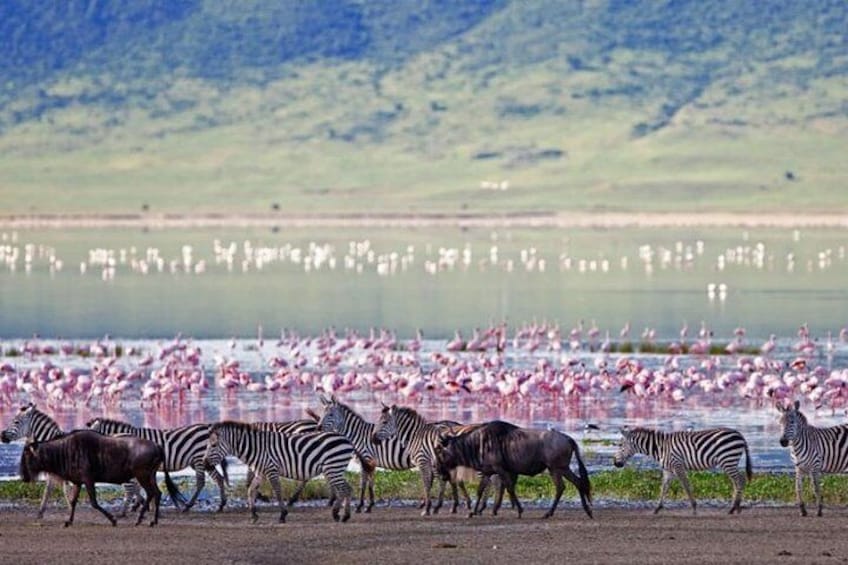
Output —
(153, 493)
(92, 497)
(75, 492)
(480, 488)
(557, 478)
(575, 480)
(509, 481)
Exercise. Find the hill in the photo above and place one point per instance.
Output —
(439, 105)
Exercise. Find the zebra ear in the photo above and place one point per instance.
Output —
(797, 404)
(383, 404)
(625, 431)
(780, 407)
(333, 398)
(324, 400)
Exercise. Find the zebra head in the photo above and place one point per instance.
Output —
(627, 448)
(387, 426)
(217, 446)
(791, 421)
(21, 424)
(333, 419)
(95, 424)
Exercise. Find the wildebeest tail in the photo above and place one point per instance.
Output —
(176, 496)
(584, 484)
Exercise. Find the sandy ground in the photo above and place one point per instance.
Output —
(399, 220)
(400, 535)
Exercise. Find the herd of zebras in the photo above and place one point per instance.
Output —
(402, 439)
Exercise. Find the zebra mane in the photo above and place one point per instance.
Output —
(407, 413)
(233, 425)
(111, 422)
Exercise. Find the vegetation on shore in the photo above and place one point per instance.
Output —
(628, 485)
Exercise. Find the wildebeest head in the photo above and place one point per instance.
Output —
(333, 418)
(386, 427)
(21, 424)
(447, 456)
(791, 420)
(30, 465)
(626, 448)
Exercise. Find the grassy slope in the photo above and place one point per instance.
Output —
(641, 125)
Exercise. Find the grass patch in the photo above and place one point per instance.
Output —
(627, 484)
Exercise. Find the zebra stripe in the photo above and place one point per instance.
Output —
(389, 454)
(183, 447)
(814, 451)
(289, 427)
(297, 456)
(420, 438)
(32, 424)
(678, 452)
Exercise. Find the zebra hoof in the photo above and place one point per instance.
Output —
(254, 519)
(368, 508)
(346, 517)
(67, 524)
(336, 516)
(358, 510)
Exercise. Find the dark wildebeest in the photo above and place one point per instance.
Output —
(85, 457)
(503, 449)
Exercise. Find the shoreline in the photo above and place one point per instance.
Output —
(570, 219)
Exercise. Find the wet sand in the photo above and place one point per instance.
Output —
(400, 535)
(573, 219)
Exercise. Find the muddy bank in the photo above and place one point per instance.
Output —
(400, 535)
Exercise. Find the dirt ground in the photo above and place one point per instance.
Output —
(400, 535)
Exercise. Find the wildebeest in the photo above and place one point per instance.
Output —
(85, 457)
(503, 449)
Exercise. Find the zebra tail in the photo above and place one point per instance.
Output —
(224, 471)
(175, 494)
(585, 485)
(748, 471)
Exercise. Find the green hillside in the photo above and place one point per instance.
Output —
(363, 106)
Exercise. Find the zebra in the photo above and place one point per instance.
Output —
(813, 450)
(420, 438)
(677, 452)
(32, 424)
(184, 447)
(289, 427)
(296, 456)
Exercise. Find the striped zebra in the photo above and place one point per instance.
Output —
(273, 455)
(32, 424)
(678, 452)
(289, 427)
(420, 438)
(813, 450)
(184, 447)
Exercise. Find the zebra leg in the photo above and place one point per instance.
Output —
(738, 481)
(498, 499)
(370, 493)
(130, 494)
(799, 488)
(277, 487)
(297, 492)
(684, 480)
(48, 486)
(216, 476)
(440, 496)
(251, 495)
(666, 481)
(199, 483)
(342, 492)
(427, 480)
(92, 498)
(75, 492)
(815, 476)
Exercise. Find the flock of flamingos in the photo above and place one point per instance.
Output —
(496, 365)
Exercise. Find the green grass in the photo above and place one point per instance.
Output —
(628, 484)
